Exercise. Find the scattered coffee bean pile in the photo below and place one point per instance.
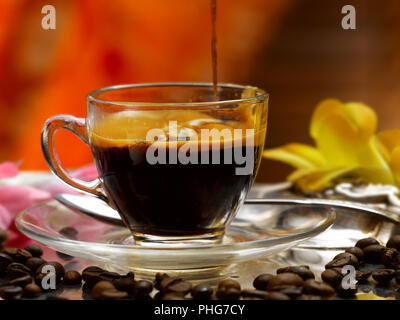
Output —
(377, 267)
(23, 270)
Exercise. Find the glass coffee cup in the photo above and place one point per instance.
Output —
(173, 162)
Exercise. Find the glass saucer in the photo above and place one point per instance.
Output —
(257, 231)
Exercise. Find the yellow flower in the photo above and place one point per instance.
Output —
(347, 149)
(389, 145)
(371, 296)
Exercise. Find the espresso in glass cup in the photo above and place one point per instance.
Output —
(173, 162)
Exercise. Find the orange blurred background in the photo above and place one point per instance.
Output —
(295, 49)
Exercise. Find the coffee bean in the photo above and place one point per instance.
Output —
(175, 285)
(32, 290)
(261, 282)
(308, 297)
(58, 268)
(34, 250)
(373, 253)
(11, 292)
(260, 294)
(228, 293)
(383, 276)
(57, 298)
(91, 279)
(69, 232)
(353, 258)
(158, 278)
(172, 296)
(5, 261)
(229, 283)
(142, 288)
(284, 280)
(60, 271)
(72, 278)
(22, 255)
(342, 260)
(113, 294)
(165, 282)
(292, 292)
(22, 281)
(109, 276)
(19, 255)
(125, 283)
(363, 243)
(276, 296)
(17, 270)
(397, 276)
(303, 271)
(390, 257)
(394, 242)
(332, 276)
(105, 290)
(292, 282)
(130, 275)
(100, 287)
(252, 298)
(159, 296)
(38, 278)
(64, 256)
(3, 237)
(359, 253)
(93, 269)
(362, 277)
(316, 288)
(91, 275)
(346, 293)
(202, 292)
(34, 263)
(180, 286)
(10, 251)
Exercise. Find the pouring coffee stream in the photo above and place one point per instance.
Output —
(214, 47)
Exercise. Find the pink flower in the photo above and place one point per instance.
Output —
(8, 170)
(85, 173)
(14, 199)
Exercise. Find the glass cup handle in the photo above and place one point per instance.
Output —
(77, 126)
